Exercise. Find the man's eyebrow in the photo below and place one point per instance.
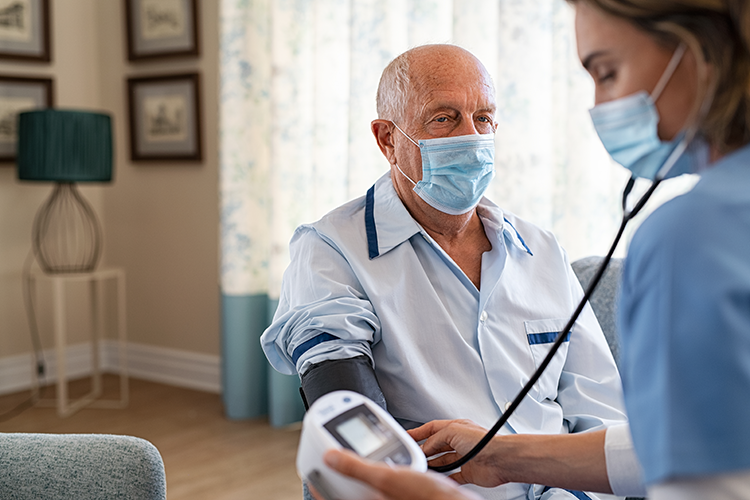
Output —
(587, 62)
(436, 107)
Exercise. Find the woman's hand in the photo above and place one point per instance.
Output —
(395, 483)
(455, 438)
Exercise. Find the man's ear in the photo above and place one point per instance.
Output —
(383, 132)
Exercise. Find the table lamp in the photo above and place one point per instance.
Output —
(65, 147)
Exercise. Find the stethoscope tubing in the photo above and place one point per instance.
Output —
(560, 339)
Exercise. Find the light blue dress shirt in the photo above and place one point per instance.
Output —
(684, 318)
(366, 279)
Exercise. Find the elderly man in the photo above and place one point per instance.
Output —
(430, 292)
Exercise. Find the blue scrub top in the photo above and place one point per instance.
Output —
(684, 319)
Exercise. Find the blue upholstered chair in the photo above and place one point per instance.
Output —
(80, 466)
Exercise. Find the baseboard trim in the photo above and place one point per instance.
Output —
(157, 364)
(173, 367)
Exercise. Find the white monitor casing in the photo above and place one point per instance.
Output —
(345, 419)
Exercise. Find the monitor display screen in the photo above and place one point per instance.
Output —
(360, 433)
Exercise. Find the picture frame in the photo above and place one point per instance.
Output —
(25, 30)
(161, 28)
(17, 94)
(165, 117)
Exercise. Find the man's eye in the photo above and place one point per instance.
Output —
(442, 119)
(607, 76)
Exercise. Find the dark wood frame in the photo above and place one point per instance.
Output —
(189, 51)
(46, 54)
(133, 83)
(46, 83)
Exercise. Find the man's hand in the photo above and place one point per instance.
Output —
(455, 438)
(397, 483)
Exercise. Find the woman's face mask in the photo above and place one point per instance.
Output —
(456, 171)
(628, 129)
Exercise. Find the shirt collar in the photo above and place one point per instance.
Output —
(388, 223)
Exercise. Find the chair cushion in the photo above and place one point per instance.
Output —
(80, 466)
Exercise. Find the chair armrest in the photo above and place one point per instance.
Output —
(81, 466)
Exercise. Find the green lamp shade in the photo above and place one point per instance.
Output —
(64, 146)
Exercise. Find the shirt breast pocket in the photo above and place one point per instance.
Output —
(541, 335)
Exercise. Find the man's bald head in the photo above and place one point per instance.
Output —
(421, 68)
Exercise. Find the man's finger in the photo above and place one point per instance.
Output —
(428, 429)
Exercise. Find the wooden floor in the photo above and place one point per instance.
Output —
(205, 455)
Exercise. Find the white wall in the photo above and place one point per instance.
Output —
(160, 220)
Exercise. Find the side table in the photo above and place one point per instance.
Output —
(96, 279)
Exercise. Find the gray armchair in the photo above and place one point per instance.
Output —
(80, 466)
(604, 299)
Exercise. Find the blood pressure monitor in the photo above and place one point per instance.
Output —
(344, 419)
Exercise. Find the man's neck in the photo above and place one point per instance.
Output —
(450, 230)
(461, 236)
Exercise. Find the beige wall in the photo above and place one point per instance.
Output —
(160, 220)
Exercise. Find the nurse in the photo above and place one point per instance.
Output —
(672, 81)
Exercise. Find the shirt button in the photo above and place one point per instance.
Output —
(483, 316)
(507, 405)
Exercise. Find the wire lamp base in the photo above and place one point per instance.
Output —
(66, 233)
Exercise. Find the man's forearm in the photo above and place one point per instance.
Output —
(573, 461)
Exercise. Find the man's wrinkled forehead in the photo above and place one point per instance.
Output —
(446, 68)
(453, 95)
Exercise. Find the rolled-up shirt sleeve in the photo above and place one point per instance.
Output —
(323, 311)
(623, 469)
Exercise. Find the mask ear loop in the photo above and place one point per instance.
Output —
(413, 142)
(407, 177)
(690, 133)
(405, 135)
(669, 71)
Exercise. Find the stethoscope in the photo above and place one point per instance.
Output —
(628, 215)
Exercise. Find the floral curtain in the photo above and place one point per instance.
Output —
(298, 82)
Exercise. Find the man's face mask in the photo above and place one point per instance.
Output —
(628, 129)
(456, 171)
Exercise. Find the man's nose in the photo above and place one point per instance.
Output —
(467, 126)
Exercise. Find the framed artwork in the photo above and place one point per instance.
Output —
(19, 94)
(24, 30)
(165, 118)
(161, 28)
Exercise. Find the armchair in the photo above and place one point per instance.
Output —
(80, 466)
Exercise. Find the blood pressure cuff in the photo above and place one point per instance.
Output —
(352, 374)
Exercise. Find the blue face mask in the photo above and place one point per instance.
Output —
(456, 171)
(628, 129)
